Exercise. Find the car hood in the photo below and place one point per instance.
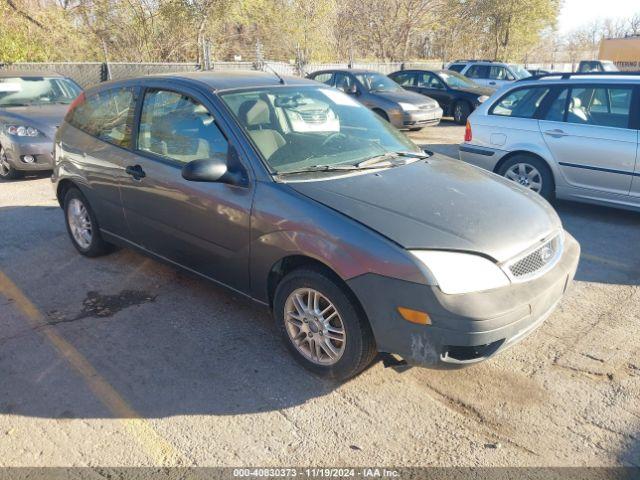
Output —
(46, 118)
(441, 204)
(405, 96)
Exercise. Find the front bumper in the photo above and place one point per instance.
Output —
(465, 328)
(416, 119)
(422, 118)
(39, 147)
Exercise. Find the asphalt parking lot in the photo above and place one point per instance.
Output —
(123, 361)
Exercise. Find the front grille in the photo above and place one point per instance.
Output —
(538, 260)
(313, 116)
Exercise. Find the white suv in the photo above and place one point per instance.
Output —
(489, 74)
(573, 136)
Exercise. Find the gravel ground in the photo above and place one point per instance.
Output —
(123, 361)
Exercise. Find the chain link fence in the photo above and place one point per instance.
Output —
(90, 73)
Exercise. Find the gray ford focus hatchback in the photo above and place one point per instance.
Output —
(300, 198)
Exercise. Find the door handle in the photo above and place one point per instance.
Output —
(135, 171)
(492, 83)
(556, 133)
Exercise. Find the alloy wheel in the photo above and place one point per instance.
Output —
(457, 113)
(526, 175)
(5, 168)
(80, 223)
(314, 326)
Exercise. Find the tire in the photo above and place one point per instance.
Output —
(357, 349)
(7, 171)
(93, 244)
(522, 165)
(461, 111)
(382, 114)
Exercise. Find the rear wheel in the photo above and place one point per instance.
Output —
(461, 111)
(530, 172)
(82, 225)
(7, 172)
(322, 326)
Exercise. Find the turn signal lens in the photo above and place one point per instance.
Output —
(467, 132)
(415, 316)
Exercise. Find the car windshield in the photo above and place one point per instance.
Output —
(21, 91)
(305, 128)
(519, 71)
(455, 80)
(376, 82)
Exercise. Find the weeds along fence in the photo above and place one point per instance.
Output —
(90, 73)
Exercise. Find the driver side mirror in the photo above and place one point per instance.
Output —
(353, 89)
(207, 170)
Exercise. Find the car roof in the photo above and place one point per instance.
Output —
(556, 79)
(220, 80)
(28, 74)
(429, 70)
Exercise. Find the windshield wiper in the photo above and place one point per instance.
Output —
(388, 158)
(328, 168)
(379, 161)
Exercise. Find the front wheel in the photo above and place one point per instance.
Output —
(322, 326)
(382, 114)
(530, 172)
(7, 172)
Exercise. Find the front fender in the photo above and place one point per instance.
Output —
(286, 223)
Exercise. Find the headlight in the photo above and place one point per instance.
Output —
(462, 272)
(22, 131)
(483, 98)
(408, 107)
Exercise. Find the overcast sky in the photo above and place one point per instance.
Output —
(575, 13)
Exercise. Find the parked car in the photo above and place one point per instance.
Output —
(356, 239)
(403, 109)
(538, 71)
(456, 94)
(588, 66)
(32, 106)
(569, 136)
(489, 74)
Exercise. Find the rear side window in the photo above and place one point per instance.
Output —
(456, 67)
(177, 127)
(405, 79)
(557, 107)
(343, 81)
(323, 78)
(521, 103)
(604, 106)
(107, 115)
(478, 71)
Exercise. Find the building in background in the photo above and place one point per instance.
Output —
(624, 52)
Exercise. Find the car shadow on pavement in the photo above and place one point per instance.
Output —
(609, 240)
(631, 456)
(167, 342)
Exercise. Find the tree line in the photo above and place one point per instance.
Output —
(287, 30)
